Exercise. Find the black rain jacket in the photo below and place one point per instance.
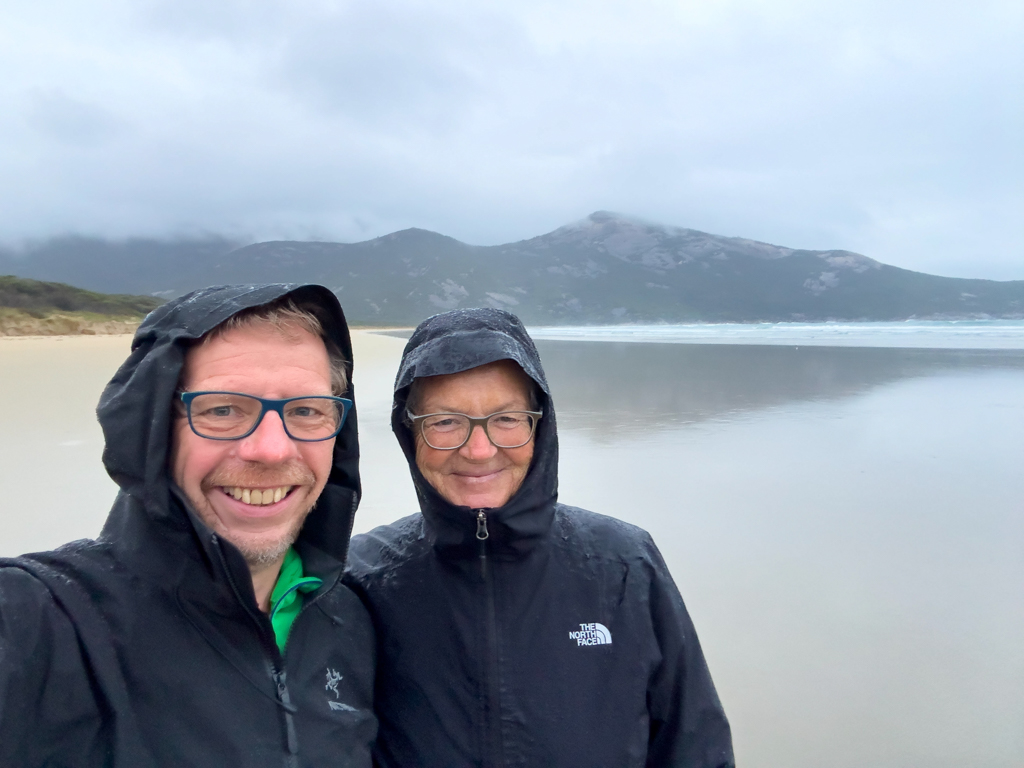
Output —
(145, 647)
(533, 634)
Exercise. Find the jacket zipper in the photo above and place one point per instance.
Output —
(277, 675)
(492, 705)
(481, 527)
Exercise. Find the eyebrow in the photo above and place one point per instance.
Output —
(508, 406)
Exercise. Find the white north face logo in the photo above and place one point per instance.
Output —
(591, 634)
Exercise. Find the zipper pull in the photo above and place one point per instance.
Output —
(290, 709)
(481, 525)
(283, 699)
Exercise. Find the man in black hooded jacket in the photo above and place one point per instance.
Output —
(513, 630)
(171, 639)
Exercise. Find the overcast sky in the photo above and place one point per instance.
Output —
(893, 128)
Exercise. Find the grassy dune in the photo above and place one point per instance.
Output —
(35, 308)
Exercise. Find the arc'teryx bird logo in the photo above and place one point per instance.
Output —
(333, 678)
(591, 634)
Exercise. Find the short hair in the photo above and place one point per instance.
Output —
(412, 399)
(282, 316)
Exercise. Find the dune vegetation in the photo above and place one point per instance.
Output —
(36, 308)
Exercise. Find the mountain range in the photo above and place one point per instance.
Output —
(607, 268)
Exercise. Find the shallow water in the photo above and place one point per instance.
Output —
(845, 524)
(846, 527)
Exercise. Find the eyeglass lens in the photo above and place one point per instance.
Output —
(451, 430)
(227, 415)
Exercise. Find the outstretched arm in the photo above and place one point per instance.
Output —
(48, 712)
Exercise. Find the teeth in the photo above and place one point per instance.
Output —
(256, 496)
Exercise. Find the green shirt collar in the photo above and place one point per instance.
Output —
(285, 600)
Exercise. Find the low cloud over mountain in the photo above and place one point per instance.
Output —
(606, 268)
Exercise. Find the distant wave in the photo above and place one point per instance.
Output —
(919, 334)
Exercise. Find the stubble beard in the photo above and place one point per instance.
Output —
(258, 551)
(259, 555)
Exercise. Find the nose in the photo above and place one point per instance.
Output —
(478, 447)
(269, 444)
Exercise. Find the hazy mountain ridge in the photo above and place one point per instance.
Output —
(606, 268)
(135, 266)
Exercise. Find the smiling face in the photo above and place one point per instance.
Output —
(257, 491)
(477, 475)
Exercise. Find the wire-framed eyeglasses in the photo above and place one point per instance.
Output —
(449, 431)
(234, 415)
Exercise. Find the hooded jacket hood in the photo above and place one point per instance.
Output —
(136, 411)
(152, 632)
(457, 341)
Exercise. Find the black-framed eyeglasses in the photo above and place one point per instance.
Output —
(449, 431)
(234, 415)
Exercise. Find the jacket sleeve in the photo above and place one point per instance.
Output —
(688, 726)
(48, 713)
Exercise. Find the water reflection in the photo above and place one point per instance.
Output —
(632, 386)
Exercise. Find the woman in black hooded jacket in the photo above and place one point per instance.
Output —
(529, 633)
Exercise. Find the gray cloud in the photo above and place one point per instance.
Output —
(67, 120)
(890, 128)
